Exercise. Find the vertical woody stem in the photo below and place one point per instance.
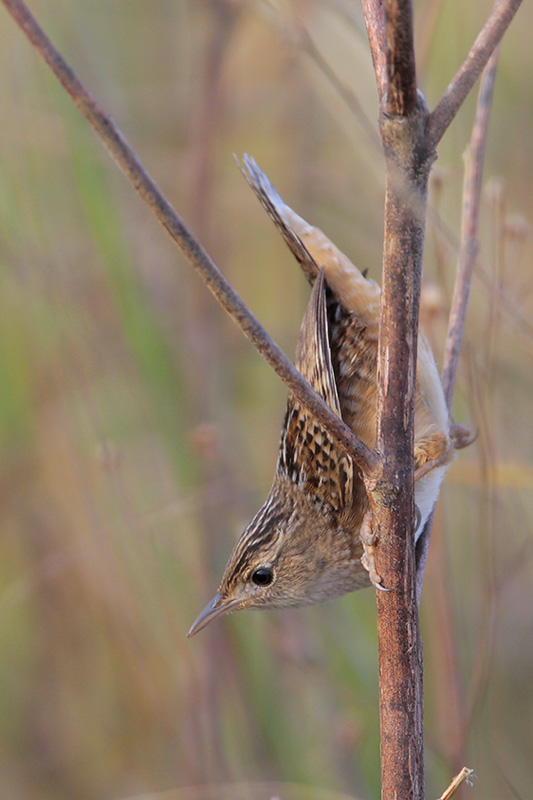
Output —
(400, 649)
(402, 126)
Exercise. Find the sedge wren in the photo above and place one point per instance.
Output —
(306, 544)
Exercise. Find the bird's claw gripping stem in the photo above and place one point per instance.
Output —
(368, 540)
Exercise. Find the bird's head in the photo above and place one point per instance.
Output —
(293, 553)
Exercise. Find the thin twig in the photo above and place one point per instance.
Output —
(468, 250)
(470, 70)
(463, 775)
(465, 264)
(199, 258)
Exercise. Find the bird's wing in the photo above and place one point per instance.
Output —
(308, 456)
(313, 352)
(337, 351)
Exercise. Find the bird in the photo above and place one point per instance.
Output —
(311, 540)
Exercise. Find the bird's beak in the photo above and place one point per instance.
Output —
(214, 609)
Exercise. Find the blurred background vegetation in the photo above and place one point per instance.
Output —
(139, 430)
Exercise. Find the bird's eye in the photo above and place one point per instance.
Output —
(262, 576)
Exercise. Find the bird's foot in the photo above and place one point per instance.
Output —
(431, 452)
(462, 435)
(368, 560)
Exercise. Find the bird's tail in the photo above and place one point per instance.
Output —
(314, 251)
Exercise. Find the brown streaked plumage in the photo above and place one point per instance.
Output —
(303, 545)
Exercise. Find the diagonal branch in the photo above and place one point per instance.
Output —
(470, 70)
(217, 283)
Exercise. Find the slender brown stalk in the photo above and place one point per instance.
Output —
(470, 70)
(402, 127)
(468, 250)
(191, 247)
